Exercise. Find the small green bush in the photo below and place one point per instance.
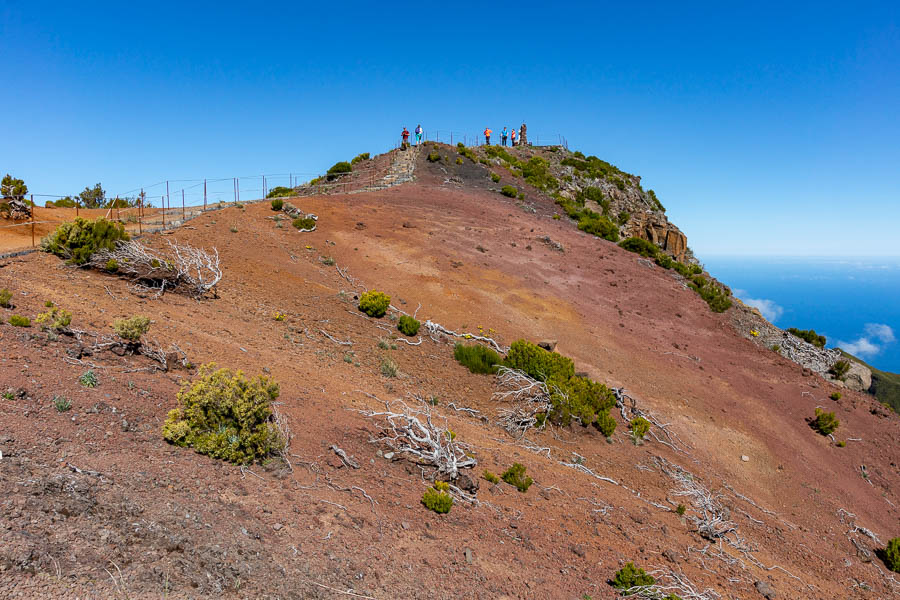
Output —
(495, 177)
(19, 321)
(835, 396)
(490, 477)
(841, 444)
(61, 403)
(824, 422)
(437, 499)
(891, 555)
(277, 204)
(434, 157)
(5, 297)
(112, 265)
(89, 379)
(681, 509)
(279, 192)
(717, 297)
(839, 369)
(478, 359)
(55, 319)
(623, 217)
(599, 226)
(359, 158)
(77, 240)
(639, 428)
(338, 169)
(304, 223)
(388, 368)
(225, 415)
(630, 576)
(810, 336)
(374, 303)
(582, 399)
(515, 476)
(459, 161)
(538, 363)
(641, 246)
(408, 325)
(509, 191)
(132, 328)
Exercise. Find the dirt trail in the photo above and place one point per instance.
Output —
(163, 520)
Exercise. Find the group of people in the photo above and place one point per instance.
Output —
(515, 140)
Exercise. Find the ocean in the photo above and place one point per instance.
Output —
(854, 302)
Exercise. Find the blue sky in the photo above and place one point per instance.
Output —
(765, 128)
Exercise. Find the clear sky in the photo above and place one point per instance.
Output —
(765, 128)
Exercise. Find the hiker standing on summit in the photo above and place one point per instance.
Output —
(418, 134)
(487, 136)
(405, 135)
(512, 138)
(503, 137)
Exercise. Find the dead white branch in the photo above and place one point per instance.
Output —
(336, 341)
(413, 431)
(435, 329)
(343, 456)
(531, 397)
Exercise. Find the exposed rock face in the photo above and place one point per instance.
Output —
(655, 227)
(858, 378)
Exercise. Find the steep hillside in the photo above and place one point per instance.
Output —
(732, 494)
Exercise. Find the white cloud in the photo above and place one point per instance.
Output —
(881, 332)
(861, 347)
(767, 308)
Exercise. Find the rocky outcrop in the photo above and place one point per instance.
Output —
(655, 227)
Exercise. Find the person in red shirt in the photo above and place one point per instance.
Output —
(405, 135)
(487, 136)
(512, 137)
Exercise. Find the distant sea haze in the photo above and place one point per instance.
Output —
(854, 302)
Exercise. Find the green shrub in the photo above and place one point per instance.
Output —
(467, 152)
(681, 509)
(304, 223)
(224, 415)
(55, 319)
(841, 444)
(835, 396)
(434, 156)
(810, 336)
(623, 217)
(77, 240)
(601, 227)
(89, 379)
(374, 303)
(515, 476)
(824, 422)
(495, 177)
(277, 204)
(654, 201)
(12, 188)
(478, 359)
(582, 399)
(490, 477)
(67, 202)
(459, 161)
(278, 192)
(630, 576)
(408, 325)
(509, 191)
(359, 158)
(891, 555)
(437, 499)
(388, 368)
(641, 246)
(717, 297)
(5, 297)
(61, 403)
(664, 260)
(338, 169)
(112, 265)
(19, 321)
(839, 369)
(538, 363)
(639, 428)
(132, 328)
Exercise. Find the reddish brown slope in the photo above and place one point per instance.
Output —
(471, 258)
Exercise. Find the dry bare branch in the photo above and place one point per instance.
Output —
(435, 329)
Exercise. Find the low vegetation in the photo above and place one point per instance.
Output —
(76, 241)
(478, 359)
(434, 156)
(89, 379)
(467, 152)
(408, 326)
(515, 476)
(54, 319)
(359, 158)
(639, 428)
(437, 499)
(227, 416)
(19, 321)
(278, 192)
(509, 191)
(891, 555)
(824, 422)
(495, 177)
(630, 577)
(132, 328)
(304, 223)
(277, 204)
(374, 303)
(5, 298)
(835, 396)
(61, 403)
(809, 335)
(490, 477)
(840, 369)
(338, 169)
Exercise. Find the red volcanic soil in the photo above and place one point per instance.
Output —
(95, 504)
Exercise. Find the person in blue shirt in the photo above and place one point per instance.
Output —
(503, 135)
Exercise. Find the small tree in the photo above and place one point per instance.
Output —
(629, 577)
(338, 169)
(824, 422)
(891, 555)
(639, 428)
(374, 303)
(515, 476)
(94, 197)
(12, 188)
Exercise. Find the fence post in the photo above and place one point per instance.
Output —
(183, 216)
(118, 214)
(163, 202)
(32, 220)
(204, 194)
(234, 185)
(167, 197)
